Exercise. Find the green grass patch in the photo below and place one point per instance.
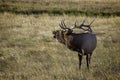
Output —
(88, 8)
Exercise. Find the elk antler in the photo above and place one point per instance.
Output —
(83, 25)
(62, 25)
(92, 21)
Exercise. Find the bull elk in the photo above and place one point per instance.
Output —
(83, 43)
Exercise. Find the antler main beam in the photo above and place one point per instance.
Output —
(83, 25)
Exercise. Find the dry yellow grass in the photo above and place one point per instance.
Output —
(28, 51)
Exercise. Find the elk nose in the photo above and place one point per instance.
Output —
(54, 36)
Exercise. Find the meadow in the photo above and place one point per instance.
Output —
(28, 50)
(61, 7)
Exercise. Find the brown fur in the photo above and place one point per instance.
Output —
(63, 37)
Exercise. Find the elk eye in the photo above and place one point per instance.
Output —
(53, 32)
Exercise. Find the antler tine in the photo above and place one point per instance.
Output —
(92, 21)
(80, 26)
(82, 23)
(75, 25)
(89, 28)
(63, 23)
(60, 25)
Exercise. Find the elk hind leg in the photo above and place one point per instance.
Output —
(80, 60)
(88, 57)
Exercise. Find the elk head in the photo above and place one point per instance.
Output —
(62, 34)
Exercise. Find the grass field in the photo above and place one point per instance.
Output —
(61, 7)
(29, 52)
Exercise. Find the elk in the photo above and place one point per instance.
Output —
(83, 43)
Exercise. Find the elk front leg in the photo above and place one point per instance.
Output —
(88, 57)
(80, 59)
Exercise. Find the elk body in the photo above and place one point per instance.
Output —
(83, 43)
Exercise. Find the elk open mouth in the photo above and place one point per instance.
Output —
(54, 36)
(53, 32)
